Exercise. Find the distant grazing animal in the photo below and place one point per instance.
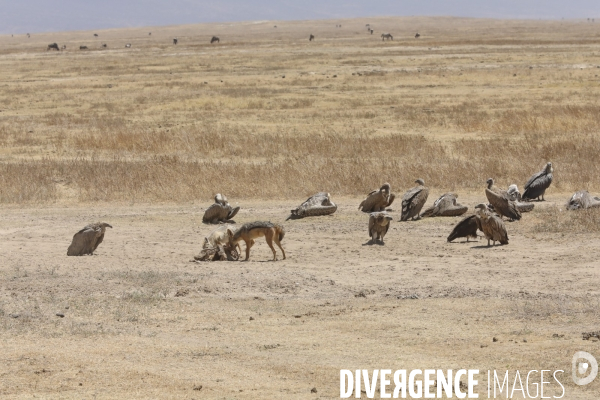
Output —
(87, 240)
(445, 206)
(371, 31)
(275, 26)
(500, 201)
(417, 35)
(216, 39)
(53, 46)
(386, 36)
(378, 200)
(63, 47)
(414, 200)
(104, 45)
(128, 45)
(149, 33)
(95, 34)
(582, 200)
(379, 224)
(253, 230)
(538, 183)
(175, 41)
(82, 47)
(311, 38)
(492, 226)
(28, 35)
(467, 227)
(220, 211)
(316, 205)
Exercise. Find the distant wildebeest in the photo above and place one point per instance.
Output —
(386, 36)
(175, 41)
(311, 38)
(95, 34)
(371, 31)
(417, 35)
(128, 45)
(63, 47)
(149, 33)
(216, 39)
(82, 47)
(275, 26)
(53, 46)
(28, 35)
(104, 45)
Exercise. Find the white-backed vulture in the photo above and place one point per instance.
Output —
(536, 185)
(500, 201)
(445, 206)
(378, 200)
(514, 194)
(220, 211)
(582, 200)
(318, 204)
(492, 227)
(87, 240)
(414, 200)
(379, 224)
(467, 227)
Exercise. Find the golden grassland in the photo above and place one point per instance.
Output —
(266, 113)
(143, 137)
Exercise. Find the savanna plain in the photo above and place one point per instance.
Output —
(142, 137)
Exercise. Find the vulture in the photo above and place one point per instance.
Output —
(379, 223)
(318, 204)
(501, 202)
(583, 200)
(445, 206)
(536, 185)
(378, 200)
(467, 227)
(492, 226)
(220, 211)
(87, 240)
(413, 201)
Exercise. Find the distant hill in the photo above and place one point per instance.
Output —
(65, 15)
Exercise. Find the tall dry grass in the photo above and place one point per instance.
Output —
(294, 166)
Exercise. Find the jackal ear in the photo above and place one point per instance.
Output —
(230, 233)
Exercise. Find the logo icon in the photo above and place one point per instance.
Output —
(582, 364)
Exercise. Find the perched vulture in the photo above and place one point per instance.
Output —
(379, 223)
(514, 194)
(413, 201)
(318, 204)
(378, 200)
(467, 227)
(445, 206)
(536, 185)
(501, 202)
(492, 227)
(88, 239)
(583, 200)
(220, 211)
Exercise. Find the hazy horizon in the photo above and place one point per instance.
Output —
(67, 15)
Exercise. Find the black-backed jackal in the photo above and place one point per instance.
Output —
(253, 230)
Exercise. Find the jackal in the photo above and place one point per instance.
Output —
(253, 230)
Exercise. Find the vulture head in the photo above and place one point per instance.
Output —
(420, 182)
(490, 183)
(385, 188)
(549, 168)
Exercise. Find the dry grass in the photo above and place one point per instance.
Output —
(177, 123)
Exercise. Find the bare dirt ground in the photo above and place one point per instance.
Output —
(142, 321)
(143, 137)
